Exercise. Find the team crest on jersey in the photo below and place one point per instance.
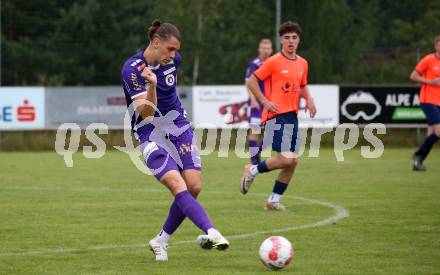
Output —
(286, 87)
(170, 79)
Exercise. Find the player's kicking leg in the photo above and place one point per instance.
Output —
(192, 209)
(184, 204)
(213, 239)
(193, 179)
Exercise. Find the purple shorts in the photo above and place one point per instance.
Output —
(175, 153)
(254, 116)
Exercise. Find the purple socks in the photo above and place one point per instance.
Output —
(185, 205)
(174, 220)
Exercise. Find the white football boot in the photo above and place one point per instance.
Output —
(159, 250)
(213, 240)
(246, 179)
(276, 206)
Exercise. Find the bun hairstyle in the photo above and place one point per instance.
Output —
(162, 30)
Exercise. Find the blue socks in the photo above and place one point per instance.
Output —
(279, 187)
(278, 190)
(262, 167)
(426, 146)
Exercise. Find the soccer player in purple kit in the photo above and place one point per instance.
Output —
(159, 124)
(254, 106)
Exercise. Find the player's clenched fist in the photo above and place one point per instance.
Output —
(149, 75)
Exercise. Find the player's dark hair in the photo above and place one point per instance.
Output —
(289, 27)
(162, 30)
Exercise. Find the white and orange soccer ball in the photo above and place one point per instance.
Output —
(276, 252)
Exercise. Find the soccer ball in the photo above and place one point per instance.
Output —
(276, 252)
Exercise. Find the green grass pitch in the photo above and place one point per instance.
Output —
(96, 217)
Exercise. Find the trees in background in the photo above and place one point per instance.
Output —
(84, 42)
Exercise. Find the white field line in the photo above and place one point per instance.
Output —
(340, 213)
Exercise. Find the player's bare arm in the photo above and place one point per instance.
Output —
(416, 77)
(254, 101)
(146, 104)
(310, 104)
(252, 85)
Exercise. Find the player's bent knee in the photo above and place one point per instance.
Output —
(195, 190)
(174, 182)
(292, 162)
(289, 162)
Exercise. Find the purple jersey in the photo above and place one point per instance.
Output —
(253, 66)
(135, 85)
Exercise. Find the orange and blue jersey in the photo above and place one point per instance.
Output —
(283, 77)
(429, 68)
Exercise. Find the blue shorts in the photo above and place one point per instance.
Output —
(432, 113)
(282, 132)
(179, 153)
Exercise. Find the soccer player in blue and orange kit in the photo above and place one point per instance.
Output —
(159, 124)
(255, 108)
(427, 73)
(285, 80)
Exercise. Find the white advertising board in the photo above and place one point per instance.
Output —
(226, 106)
(22, 108)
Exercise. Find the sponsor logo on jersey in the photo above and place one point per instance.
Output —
(134, 63)
(286, 87)
(135, 82)
(170, 70)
